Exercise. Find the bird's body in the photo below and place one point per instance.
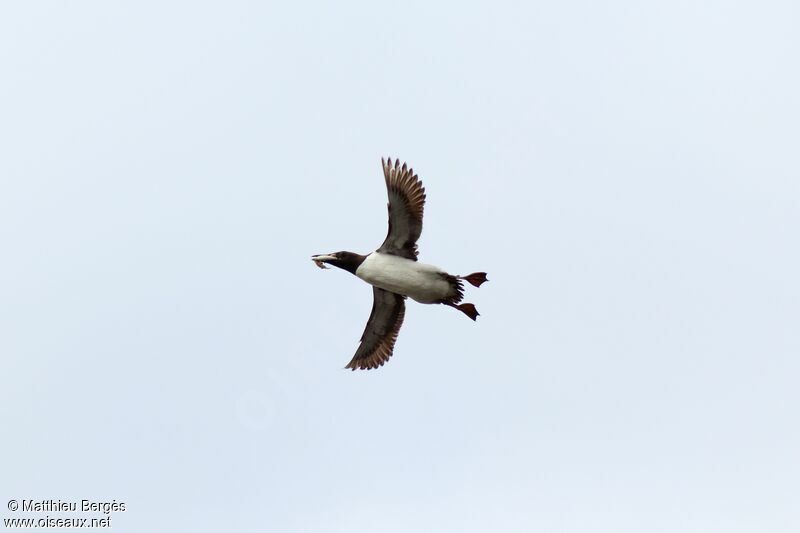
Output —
(423, 283)
(394, 272)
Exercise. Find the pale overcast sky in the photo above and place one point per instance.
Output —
(626, 172)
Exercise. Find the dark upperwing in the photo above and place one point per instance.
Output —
(377, 342)
(406, 204)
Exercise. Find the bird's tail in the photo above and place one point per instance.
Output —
(476, 278)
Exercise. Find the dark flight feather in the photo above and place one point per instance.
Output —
(377, 341)
(406, 206)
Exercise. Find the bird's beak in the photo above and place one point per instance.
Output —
(320, 260)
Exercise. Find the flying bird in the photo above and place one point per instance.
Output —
(394, 272)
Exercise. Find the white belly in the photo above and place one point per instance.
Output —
(421, 282)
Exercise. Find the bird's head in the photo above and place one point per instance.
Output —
(345, 260)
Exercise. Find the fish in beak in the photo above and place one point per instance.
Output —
(320, 260)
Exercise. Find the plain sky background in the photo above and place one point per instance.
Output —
(626, 172)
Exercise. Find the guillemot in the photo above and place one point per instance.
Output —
(394, 272)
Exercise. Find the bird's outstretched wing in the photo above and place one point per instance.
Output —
(406, 204)
(377, 342)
